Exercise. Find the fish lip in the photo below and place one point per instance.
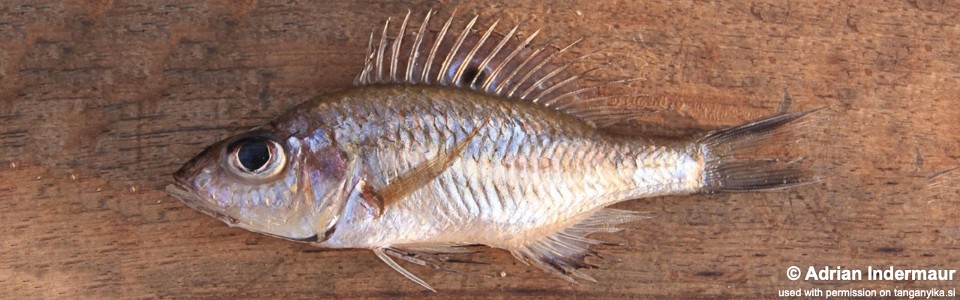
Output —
(182, 190)
(181, 181)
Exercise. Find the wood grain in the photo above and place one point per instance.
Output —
(100, 101)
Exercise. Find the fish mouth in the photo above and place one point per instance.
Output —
(181, 190)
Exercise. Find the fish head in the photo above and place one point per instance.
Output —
(267, 181)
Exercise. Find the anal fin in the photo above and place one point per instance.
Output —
(564, 253)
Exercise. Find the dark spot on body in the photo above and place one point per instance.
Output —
(471, 73)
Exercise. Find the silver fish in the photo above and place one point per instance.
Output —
(464, 137)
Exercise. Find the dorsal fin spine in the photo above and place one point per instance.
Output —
(496, 72)
(469, 57)
(441, 75)
(556, 99)
(415, 50)
(504, 83)
(483, 64)
(381, 49)
(572, 93)
(540, 65)
(510, 68)
(365, 73)
(549, 76)
(425, 77)
(395, 51)
(565, 106)
(526, 92)
(561, 83)
(549, 90)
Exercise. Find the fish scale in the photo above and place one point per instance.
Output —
(544, 199)
(466, 137)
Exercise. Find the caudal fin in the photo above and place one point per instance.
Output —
(734, 158)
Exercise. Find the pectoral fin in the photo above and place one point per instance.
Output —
(416, 178)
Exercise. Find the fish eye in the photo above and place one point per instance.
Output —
(253, 155)
(256, 156)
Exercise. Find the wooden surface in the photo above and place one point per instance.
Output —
(100, 101)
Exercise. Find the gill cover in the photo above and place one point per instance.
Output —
(330, 178)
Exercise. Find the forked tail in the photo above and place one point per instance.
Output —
(737, 159)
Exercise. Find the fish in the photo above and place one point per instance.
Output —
(465, 136)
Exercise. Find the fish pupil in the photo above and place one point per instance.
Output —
(253, 154)
(470, 73)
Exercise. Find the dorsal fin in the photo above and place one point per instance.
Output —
(480, 59)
